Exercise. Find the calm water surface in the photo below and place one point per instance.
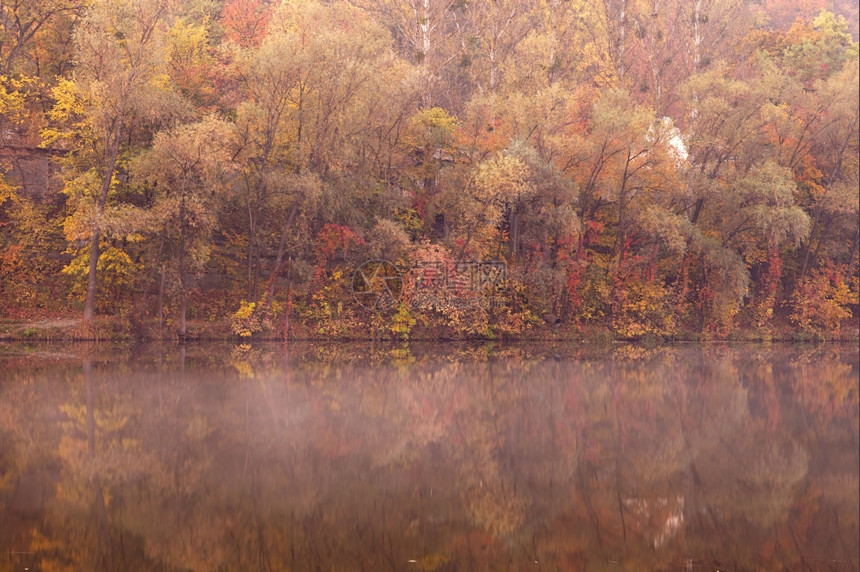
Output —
(361, 457)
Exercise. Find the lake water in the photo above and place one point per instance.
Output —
(449, 457)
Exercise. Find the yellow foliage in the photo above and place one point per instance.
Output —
(116, 270)
(189, 43)
(13, 99)
(68, 115)
(820, 302)
(642, 307)
(435, 117)
(245, 322)
(7, 191)
(402, 322)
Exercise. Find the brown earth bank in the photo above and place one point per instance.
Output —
(113, 328)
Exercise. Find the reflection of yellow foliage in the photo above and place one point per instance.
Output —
(454, 419)
(198, 428)
(775, 473)
(72, 450)
(76, 413)
(244, 368)
(72, 557)
(499, 512)
(401, 357)
(110, 421)
(632, 352)
(432, 561)
(828, 388)
(241, 358)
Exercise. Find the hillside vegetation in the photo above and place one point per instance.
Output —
(636, 168)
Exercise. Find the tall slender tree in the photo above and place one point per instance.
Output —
(117, 85)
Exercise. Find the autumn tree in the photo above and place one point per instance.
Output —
(191, 65)
(117, 87)
(313, 107)
(499, 181)
(246, 21)
(811, 72)
(426, 34)
(188, 168)
(743, 199)
(22, 22)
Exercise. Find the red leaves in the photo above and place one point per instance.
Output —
(335, 237)
(246, 21)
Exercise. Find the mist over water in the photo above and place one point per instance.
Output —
(445, 457)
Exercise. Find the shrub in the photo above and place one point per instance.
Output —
(820, 302)
(245, 322)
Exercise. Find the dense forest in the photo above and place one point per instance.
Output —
(665, 168)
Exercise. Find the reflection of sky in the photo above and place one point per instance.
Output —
(464, 457)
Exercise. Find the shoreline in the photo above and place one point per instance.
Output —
(112, 329)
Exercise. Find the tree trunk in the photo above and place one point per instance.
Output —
(161, 299)
(279, 260)
(697, 36)
(622, 224)
(255, 214)
(183, 286)
(252, 236)
(622, 34)
(852, 253)
(91, 419)
(701, 304)
(91, 277)
(514, 233)
(99, 501)
(183, 306)
(824, 234)
(287, 308)
(808, 247)
(112, 153)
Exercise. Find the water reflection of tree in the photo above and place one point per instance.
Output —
(476, 458)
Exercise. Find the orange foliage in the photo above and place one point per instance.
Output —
(820, 302)
(246, 21)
